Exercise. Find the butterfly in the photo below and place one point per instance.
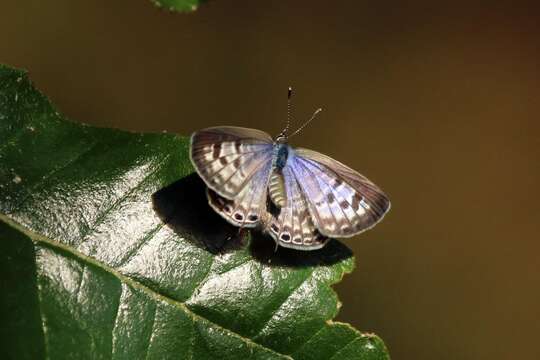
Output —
(300, 197)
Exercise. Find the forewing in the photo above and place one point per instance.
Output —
(226, 158)
(341, 202)
(246, 208)
(292, 226)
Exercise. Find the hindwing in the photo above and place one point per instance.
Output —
(292, 225)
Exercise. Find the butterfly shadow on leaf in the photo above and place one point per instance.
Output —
(263, 248)
(183, 206)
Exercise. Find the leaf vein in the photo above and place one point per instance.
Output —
(134, 284)
(204, 279)
(344, 347)
(140, 244)
(274, 312)
(79, 285)
(151, 336)
(310, 338)
(115, 322)
(103, 215)
(47, 176)
(41, 315)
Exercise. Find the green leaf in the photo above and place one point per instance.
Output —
(109, 250)
(179, 5)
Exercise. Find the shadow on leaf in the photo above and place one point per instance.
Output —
(184, 207)
(263, 249)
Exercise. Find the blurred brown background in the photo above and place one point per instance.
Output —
(437, 102)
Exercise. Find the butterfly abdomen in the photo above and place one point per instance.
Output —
(276, 189)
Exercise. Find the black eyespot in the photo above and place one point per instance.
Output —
(253, 217)
(238, 216)
(297, 240)
(274, 228)
(227, 208)
(285, 237)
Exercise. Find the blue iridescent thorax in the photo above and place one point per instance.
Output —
(280, 156)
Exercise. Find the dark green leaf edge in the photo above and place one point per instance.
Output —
(178, 5)
(372, 340)
(37, 238)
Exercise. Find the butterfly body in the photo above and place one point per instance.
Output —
(298, 196)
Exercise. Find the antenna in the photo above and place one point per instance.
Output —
(289, 108)
(307, 122)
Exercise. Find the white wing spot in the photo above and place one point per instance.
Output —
(364, 204)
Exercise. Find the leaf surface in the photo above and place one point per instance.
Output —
(108, 249)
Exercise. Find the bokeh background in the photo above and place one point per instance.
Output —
(437, 102)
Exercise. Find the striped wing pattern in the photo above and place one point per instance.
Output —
(301, 204)
(249, 206)
(235, 164)
(293, 226)
(341, 202)
(227, 158)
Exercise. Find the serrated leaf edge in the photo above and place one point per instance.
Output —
(126, 280)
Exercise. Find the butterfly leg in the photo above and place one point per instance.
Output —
(240, 235)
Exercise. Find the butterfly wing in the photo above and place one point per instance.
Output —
(341, 202)
(235, 164)
(292, 226)
(227, 157)
(246, 208)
